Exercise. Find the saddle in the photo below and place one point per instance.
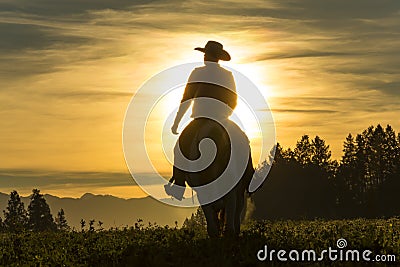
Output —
(189, 140)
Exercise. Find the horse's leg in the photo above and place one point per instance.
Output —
(222, 221)
(212, 220)
(234, 204)
(230, 213)
(240, 202)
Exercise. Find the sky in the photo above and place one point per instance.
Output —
(68, 70)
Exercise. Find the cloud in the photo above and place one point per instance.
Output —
(299, 54)
(67, 65)
(65, 7)
(94, 95)
(369, 102)
(19, 36)
(318, 111)
(337, 10)
(35, 179)
(29, 179)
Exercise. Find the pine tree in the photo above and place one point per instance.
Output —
(15, 218)
(61, 221)
(349, 151)
(83, 223)
(91, 225)
(391, 147)
(321, 155)
(348, 181)
(279, 156)
(196, 222)
(360, 170)
(303, 151)
(397, 155)
(388, 191)
(366, 165)
(40, 218)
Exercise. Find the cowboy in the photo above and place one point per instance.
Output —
(212, 90)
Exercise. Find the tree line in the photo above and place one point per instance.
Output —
(306, 183)
(37, 218)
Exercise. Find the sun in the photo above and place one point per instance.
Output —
(164, 110)
(161, 118)
(167, 106)
(246, 119)
(255, 74)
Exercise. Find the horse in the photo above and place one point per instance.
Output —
(225, 211)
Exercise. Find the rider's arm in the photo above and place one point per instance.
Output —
(183, 107)
(188, 95)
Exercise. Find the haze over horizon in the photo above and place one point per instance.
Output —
(69, 69)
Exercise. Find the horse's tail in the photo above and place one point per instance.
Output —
(248, 174)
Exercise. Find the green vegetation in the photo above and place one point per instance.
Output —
(305, 183)
(154, 245)
(38, 218)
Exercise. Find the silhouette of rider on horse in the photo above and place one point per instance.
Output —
(212, 91)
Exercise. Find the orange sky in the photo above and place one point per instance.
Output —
(68, 71)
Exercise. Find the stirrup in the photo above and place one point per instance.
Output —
(174, 190)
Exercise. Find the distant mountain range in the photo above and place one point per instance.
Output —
(112, 211)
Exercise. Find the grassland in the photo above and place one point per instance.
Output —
(153, 245)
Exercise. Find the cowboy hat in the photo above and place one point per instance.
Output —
(215, 49)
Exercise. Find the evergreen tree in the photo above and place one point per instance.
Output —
(390, 151)
(377, 157)
(398, 150)
(349, 151)
(390, 185)
(196, 222)
(359, 174)
(61, 221)
(348, 181)
(15, 218)
(303, 151)
(40, 218)
(282, 155)
(91, 225)
(83, 223)
(321, 155)
(365, 183)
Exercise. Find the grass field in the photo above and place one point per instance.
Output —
(154, 245)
